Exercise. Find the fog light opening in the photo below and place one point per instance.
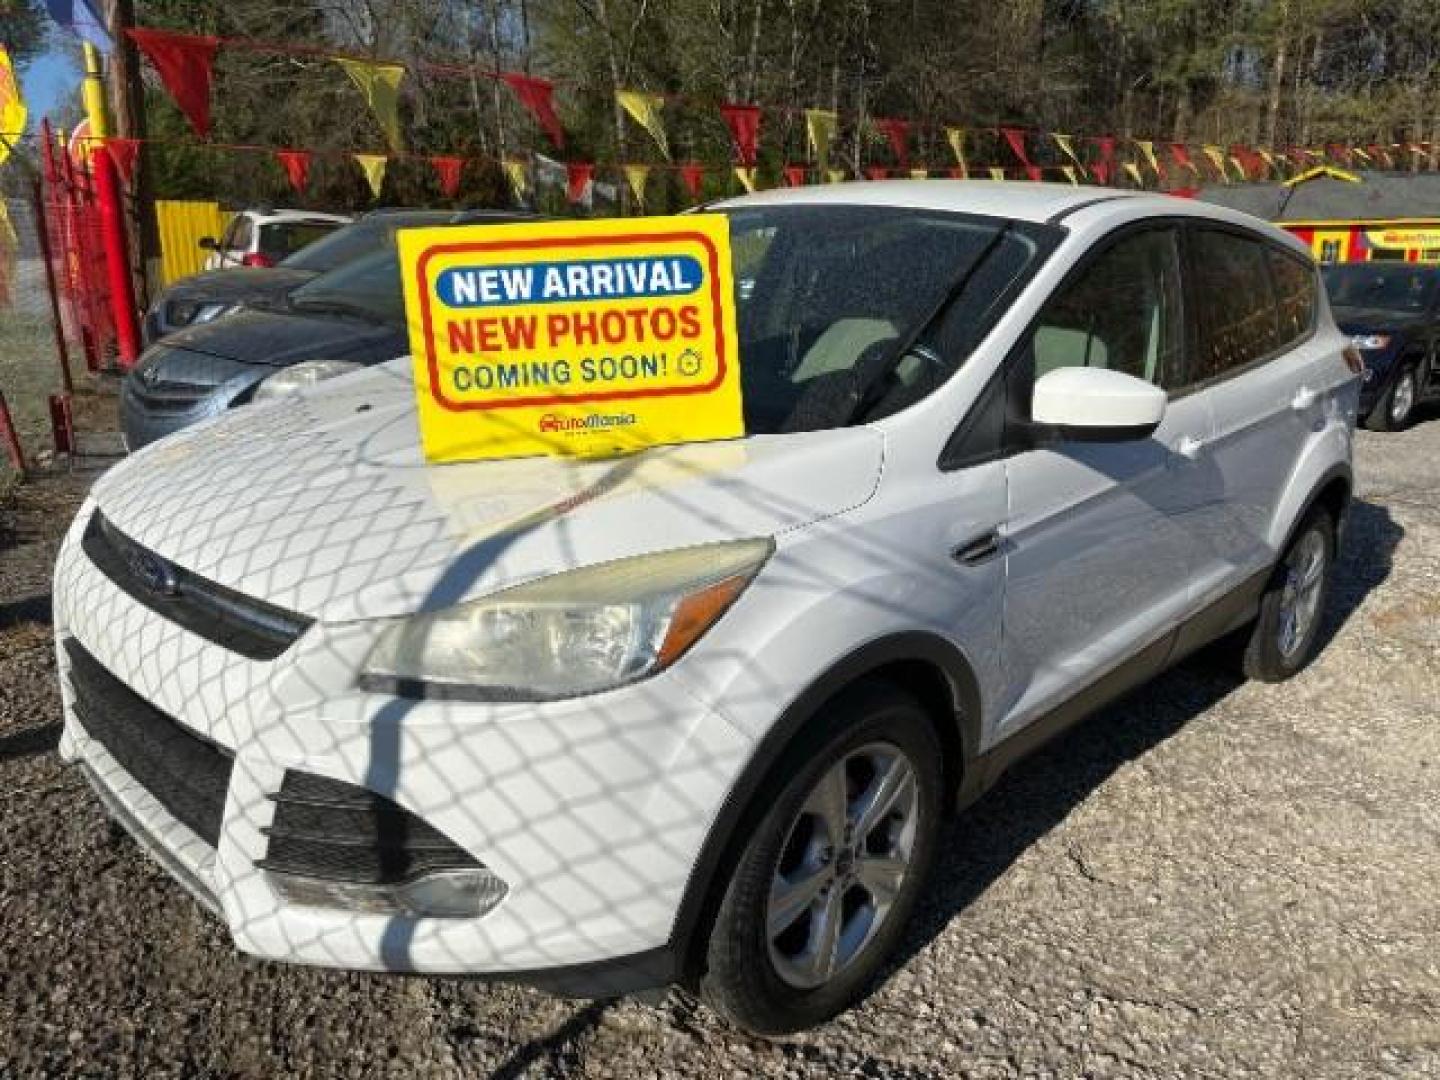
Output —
(444, 894)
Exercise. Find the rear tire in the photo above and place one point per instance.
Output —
(773, 963)
(1284, 637)
(1396, 407)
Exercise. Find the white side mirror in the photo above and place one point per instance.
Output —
(1097, 405)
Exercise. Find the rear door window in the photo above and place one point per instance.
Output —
(1239, 320)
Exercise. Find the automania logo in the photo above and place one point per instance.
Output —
(554, 422)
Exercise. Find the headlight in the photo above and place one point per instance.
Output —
(1370, 342)
(288, 380)
(192, 312)
(573, 633)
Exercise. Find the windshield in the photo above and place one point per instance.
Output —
(280, 239)
(1390, 286)
(358, 239)
(836, 305)
(366, 288)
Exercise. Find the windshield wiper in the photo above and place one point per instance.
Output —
(871, 393)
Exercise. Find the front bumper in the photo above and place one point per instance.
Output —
(592, 811)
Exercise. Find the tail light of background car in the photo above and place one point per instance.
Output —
(256, 258)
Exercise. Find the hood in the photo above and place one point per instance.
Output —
(322, 503)
(284, 337)
(1355, 320)
(240, 286)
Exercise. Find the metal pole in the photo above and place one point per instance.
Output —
(117, 263)
(9, 437)
(42, 230)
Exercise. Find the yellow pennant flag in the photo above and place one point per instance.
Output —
(380, 83)
(1069, 171)
(644, 109)
(1135, 174)
(746, 177)
(1268, 158)
(1067, 145)
(1361, 154)
(636, 176)
(518, 176)
(1217, 158)
(820, 132)
(997, 173)
(835, 176)
(956, 138)
(919, 174)
(1239, 167)
(1148, 149)
(373, 166)
(12, 106)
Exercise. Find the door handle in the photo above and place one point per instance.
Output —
(1189, 447)
(979, 550)
(1303, 399)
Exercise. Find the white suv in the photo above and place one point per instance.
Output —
(262, 236)
(695, 715)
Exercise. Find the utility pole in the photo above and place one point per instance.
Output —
(128, 97)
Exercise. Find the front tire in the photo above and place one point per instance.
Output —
(1396, 406)
(1286, 634)
(828, 880)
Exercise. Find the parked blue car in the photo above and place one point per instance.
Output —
(1391, 310)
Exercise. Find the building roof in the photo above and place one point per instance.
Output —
(1380, 196)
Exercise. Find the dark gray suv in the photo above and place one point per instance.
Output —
(349, 317)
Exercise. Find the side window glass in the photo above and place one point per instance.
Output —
(1123, 313)
(1236, 309)
(240, 238)
(1294, 295)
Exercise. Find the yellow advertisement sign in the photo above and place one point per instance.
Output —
(572, 337)
(1403, 238)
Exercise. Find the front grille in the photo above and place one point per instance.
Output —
(173, 397)
(186, 774)
(340, 832)
(252, 628)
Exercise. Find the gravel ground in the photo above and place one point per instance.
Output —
(1211, 879)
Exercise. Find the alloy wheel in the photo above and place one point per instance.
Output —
(1402, 399)
(842, 865)
(1300, 600)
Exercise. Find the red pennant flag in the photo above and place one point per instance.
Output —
(1180, 153)
(537, 95)
(296, 164)
(123, 152)
(184, 63)
(876, 172)
(795, 175)
(1101, 171)
(578, 175)
(447, 172)
(898, 132)
(692, 175)
(1016, 138)
(957, 172)
(1106, 145)
(744, 124)
(1035, 173)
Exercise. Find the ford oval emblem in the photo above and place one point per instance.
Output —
(155, 573)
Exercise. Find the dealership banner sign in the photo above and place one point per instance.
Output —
(572, 337)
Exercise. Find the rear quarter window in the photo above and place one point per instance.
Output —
(1295, 295)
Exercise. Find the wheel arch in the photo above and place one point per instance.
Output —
(922, 663)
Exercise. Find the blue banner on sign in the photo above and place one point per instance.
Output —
(567, 282)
